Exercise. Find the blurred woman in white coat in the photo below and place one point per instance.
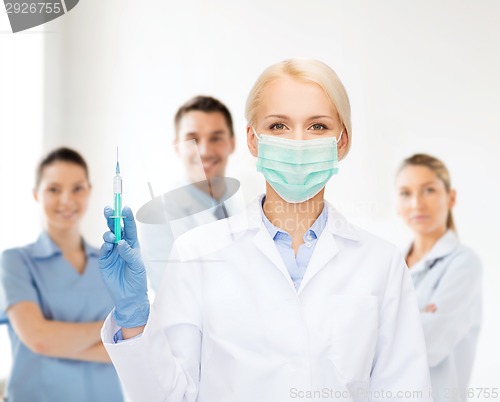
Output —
(287, 301)
(446, 275)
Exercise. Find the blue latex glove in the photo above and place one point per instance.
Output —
(124, 273)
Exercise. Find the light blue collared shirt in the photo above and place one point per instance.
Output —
(296, 264)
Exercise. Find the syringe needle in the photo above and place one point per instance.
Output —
(117, 190)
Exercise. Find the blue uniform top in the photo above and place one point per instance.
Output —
(39, 273)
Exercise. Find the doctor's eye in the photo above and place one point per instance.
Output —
(53, 190)
(277, 126)
(430, 190)
(404, 193)
(319, 126)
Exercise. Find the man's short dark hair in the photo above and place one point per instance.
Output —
(205, 104)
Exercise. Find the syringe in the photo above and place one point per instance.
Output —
(117, 191)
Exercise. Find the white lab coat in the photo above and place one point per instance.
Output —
(450, 277)
(166, 217)
(229, 326)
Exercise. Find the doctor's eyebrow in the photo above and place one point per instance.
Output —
(277, 116)
(285, 117)
(321, 116)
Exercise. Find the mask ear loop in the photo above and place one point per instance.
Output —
(255, 133)
(340, 136)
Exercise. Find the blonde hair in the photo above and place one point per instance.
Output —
(308, 70)
(439, 168)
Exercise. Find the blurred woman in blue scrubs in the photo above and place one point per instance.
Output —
(446, 275)
(55, 298)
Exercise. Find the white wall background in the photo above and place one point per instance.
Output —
(21, 134)
(421, 75)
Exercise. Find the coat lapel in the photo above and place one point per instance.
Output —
(327, 246)
(326, 249)
(266, 245)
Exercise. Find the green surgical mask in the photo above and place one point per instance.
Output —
(297, 169)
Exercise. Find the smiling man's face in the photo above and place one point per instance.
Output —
(214, 143)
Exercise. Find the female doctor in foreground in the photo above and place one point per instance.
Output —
(446, 275)
(285, 302)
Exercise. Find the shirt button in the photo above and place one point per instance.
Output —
(308, 244)
(309, 237)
